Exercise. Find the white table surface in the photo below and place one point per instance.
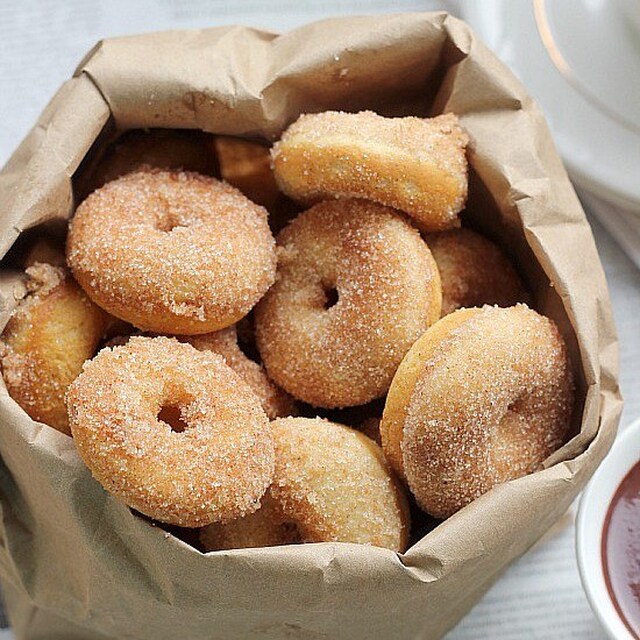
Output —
(40, 43)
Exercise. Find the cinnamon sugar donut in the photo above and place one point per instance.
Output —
(413, 164)
(51, 333)
(332, 484)
(356, 287)
(473, 271)
(275, 402)
(482, 398)
(213, 466)
(172, 252)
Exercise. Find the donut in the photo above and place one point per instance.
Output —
(50, 334)
(172, 149)
(413, 164)
(332, 484)
(172, 431)
(356, 287)
(473, 271)
(275, 402)
(483, 397)
(172, 252)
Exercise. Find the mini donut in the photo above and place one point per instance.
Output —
(172, 252)
(473, 271)
(213, 465)
(484, 397)
(413, 164)
(275, 402)
(332, 484)
(50, 334)
(356, 287)
(171, 149)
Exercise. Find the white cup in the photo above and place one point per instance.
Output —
(592, 512)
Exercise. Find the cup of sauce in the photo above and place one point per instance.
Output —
(608, 538)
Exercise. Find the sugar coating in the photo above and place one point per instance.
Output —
(275, 402)
(388, 292)
(216, 470)
(172, 252)
(493, 400)
(417, 165)
(332, 484)
(473, 271)
(50, 334)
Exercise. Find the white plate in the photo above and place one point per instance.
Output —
(581, 62)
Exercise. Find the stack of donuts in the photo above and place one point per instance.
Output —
(374, 360)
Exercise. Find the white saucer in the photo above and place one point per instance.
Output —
(581, 61)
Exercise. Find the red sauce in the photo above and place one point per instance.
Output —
(621, 550)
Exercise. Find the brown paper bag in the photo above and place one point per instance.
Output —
(77, 563)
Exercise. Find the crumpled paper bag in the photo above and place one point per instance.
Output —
(75, 562)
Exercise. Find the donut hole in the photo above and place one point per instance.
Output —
(170, 414)
(514, 444)
(168, 218)
(331, 297)
(168, 224)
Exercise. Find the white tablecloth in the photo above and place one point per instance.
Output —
(41, 41)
